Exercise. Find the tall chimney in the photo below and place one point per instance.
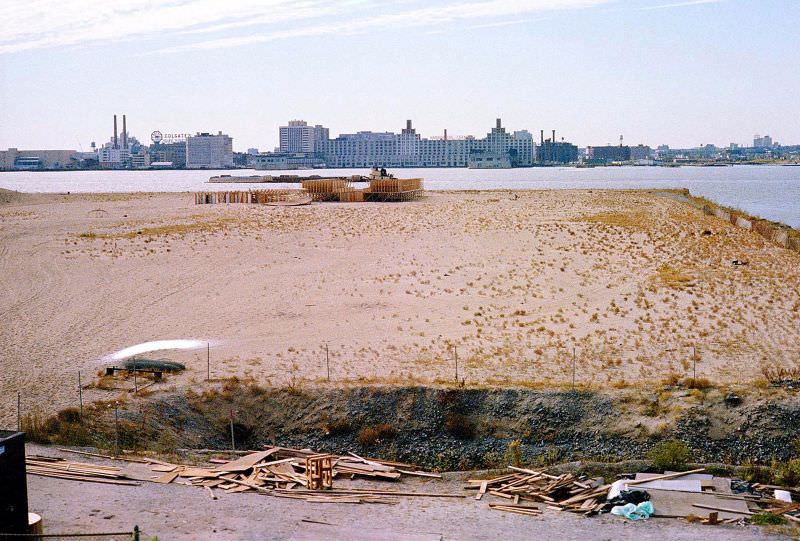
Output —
(541, 134)
(498, 124)
(115, 132)
(554, 136)
(124, 134)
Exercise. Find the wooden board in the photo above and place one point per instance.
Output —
(244, 463)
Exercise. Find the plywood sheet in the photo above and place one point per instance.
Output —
(669, 503)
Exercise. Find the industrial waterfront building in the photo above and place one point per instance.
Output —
(27, 160)
(207, 151)
(405, 149)
(173, 153)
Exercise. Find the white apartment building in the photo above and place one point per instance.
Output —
(298, 136)
(408, 149)
(207, 151)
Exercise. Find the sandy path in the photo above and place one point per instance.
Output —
(515, 280)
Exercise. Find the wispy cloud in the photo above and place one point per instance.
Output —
(683, 4)
(37, 24)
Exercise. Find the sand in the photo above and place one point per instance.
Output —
(630, 281)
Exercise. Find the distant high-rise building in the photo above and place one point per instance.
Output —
(298, 136)
(207, 151)
(762, 142)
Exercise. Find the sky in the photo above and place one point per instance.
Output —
(676, 72)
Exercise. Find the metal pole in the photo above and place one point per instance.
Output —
(19, 414)
(327, 362)
(80, 395)
(233, 443)
(116, 426)
(573, 368)
(208, 361)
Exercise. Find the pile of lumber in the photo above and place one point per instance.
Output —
(282, 472)
(565, 492)
(75, 471)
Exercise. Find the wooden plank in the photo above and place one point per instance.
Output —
(245, 463)
(725, 509)
(167, 477)
(665, 476)
(85, 479)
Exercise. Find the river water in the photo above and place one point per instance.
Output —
(771, 192)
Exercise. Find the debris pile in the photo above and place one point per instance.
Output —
(291, 473)
(75, 471)
(565, 492)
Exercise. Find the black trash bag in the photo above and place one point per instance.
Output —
(633, 496)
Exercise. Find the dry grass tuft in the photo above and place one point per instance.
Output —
(671, 277)
(370, 435)
(636, 220)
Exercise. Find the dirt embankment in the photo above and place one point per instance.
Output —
(450, 429)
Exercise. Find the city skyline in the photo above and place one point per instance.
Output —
(681, 73)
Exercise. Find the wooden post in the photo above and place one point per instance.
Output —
(327, 362)
(80, 395)
(116, 427)
(208, 361)
(233, 443)
(455, 357)
(572, 386)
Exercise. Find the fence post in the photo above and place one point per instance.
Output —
(116, 427)
(573, 368)
(136, 533)
(327, 362)
(455, 356)
(233, 442)
(80, 395)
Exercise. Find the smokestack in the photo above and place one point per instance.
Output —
(541, 134)
(124, 134)
(115, 132)
(498, 124)
(554, 136)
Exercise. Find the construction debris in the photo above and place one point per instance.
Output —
(295, 473)
(565, 492)
(76, 471)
